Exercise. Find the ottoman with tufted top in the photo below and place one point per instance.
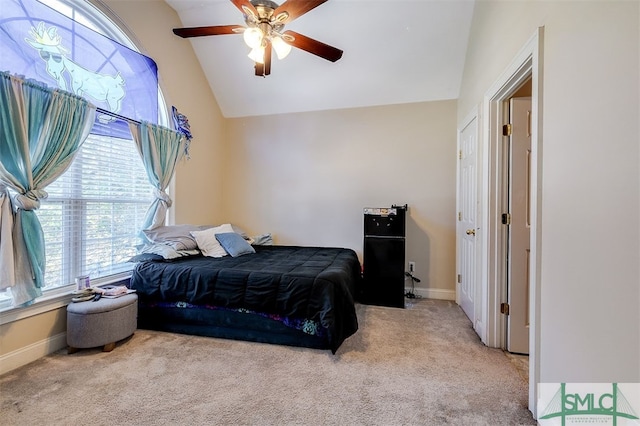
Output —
(101, 323)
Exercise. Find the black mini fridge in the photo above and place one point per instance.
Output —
(384, 256)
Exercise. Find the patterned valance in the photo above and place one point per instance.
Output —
(40, 43)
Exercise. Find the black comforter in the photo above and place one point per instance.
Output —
(296, 282)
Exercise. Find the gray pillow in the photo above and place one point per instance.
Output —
(167, 252)
(234, 244)
(239, 230)
(262, 240)
(177, 236)
(145, 257)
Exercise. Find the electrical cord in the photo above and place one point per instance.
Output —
(411, 293)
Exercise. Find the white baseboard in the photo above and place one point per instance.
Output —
(33, 352)
(434, 293)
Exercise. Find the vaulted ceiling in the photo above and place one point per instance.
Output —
(395, 51)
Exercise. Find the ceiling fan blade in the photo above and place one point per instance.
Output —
(315, 47)
(207, 31)
(296, 8)
(247, 4)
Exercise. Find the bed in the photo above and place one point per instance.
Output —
(289, 295)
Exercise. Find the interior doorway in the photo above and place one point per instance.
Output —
(527, 65)
(517, 218)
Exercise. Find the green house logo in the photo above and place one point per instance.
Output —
(590, 404)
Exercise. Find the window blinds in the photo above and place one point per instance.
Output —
(95, 211)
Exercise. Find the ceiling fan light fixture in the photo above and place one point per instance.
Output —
(281, 47)
(264, 31)
(253, 37)
(257, 54)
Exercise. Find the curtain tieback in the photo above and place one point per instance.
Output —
(29, 200)
(162, 196)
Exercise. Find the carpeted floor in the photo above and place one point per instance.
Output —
(521, 362)
(419, 366)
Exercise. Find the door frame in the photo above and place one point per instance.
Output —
(526, 64)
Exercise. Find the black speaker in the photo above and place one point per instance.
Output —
(384, 256)
(384, 225)
(384, 271)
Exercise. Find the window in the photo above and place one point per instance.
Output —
(93, 215)
(94, 212)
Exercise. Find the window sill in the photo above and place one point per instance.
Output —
(56, 299)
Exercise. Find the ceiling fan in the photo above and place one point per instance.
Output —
(265, 21)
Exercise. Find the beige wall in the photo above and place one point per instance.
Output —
(306, 177)
(198, 182)
(590, 193)
(20, 334)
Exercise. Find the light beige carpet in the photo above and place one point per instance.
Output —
(419, 366)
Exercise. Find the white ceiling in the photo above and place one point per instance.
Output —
(395, 51)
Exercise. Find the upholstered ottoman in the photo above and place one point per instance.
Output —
(101, 323)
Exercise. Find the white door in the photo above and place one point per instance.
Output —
(466, 229)
(519, 230)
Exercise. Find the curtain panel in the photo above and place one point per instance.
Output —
(41, 130)
(160, 149)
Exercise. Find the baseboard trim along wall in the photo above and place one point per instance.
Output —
(433, 293)
(33, 352)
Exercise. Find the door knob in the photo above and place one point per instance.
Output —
(471, 232)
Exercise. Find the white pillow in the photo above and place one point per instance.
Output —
(207, 242)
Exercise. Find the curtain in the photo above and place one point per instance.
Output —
(41, 130)
(160, 149)
(7, 271)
